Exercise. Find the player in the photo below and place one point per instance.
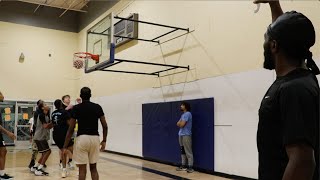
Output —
(41, 137)
(60, 118)
(87, 145)
(3, 150)
(288, 130)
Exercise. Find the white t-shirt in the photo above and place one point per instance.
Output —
(31, 122)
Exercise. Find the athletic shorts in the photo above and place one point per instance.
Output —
(2, 144)
(59, 140)
(86, 150)
(43, 146)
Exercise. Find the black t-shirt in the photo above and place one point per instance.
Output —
(87, 114)
(289, 114)
(60, 119)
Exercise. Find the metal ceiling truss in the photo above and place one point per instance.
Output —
(49, 4)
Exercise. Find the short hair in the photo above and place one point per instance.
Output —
(40, 103)
(58, 103)
(85, 93)
(65, 96)
(186, 105)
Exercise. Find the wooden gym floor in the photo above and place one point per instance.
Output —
(110, 166)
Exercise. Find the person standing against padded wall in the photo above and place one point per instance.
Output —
(288, 129)
(185, 138)
(88, 143)
(3, 150)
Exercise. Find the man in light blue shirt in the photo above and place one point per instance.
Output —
(185, 138)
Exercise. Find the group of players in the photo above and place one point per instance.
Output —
(40, 133)
(63, 121)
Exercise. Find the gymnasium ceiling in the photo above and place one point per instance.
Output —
(65, 15)
(66, 5)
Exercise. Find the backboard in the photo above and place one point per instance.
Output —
(100, 41)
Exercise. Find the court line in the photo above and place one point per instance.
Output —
(160, 173)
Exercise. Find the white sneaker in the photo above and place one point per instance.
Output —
(71, 166)
(41, 172)
(33, 169)
(64, 173)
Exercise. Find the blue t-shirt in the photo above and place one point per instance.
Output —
(187, 129)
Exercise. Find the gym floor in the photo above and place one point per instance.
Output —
(110, 166)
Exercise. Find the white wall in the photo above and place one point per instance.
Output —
(39, 76)
(237, 99)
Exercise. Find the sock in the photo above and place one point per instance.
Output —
(40, 167)
(60, 161)
(1, 172)
(36, 165)
(70, 160)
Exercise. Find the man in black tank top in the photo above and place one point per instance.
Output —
(288, 130)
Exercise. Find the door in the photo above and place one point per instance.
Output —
(25, 112)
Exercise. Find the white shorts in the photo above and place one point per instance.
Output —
(86, 149)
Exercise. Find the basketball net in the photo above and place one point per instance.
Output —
(79, 59)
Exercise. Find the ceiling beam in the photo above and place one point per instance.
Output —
(48, 5)
(70, 6)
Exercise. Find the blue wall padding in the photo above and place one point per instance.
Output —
(160, 133)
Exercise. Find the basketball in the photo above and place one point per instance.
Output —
(78, 64)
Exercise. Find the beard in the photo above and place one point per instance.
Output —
(268, 60)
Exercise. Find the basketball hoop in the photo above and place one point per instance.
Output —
(80, 58)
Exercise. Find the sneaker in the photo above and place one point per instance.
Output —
(31, 164)
(190, 170)
(71, 166)
(64, 173)
(41, 172)
(6, 176)
(181, 168)
(33, 169)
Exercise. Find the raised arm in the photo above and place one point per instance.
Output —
(275, 7)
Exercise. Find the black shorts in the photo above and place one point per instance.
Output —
(42, 145)
(2, 144)
(59, 140)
